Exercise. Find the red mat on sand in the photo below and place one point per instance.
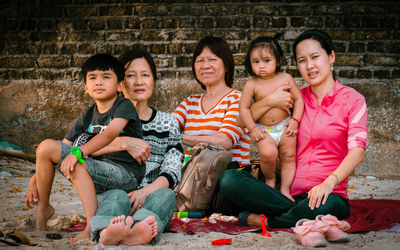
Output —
(373, 215)
(201, 226)
(78, 226)
(365, 215)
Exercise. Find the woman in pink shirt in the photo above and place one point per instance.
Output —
(331, 142)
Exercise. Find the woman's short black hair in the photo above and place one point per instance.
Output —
(128, 56)
(220, 48)
(269, 43)
(318, 35)
(103, 62)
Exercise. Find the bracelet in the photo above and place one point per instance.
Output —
(298, 122)
(77, 151)
(337, 178)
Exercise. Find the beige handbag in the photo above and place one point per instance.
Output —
(201, 174)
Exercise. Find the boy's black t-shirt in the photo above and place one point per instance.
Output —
(90, 123)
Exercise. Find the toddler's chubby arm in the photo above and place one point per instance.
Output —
(245, 102)
(96, 143)
(298, 107)
(281, 98)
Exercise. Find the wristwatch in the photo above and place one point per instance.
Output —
(78, 152)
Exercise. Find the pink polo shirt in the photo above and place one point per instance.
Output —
(326, 133)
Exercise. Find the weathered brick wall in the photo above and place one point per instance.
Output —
(43, 43)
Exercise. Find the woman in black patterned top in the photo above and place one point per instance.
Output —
(160, 153)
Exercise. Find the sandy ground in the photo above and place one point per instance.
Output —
(15, 174)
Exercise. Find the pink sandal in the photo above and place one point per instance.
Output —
(310, 233)
(335, 231)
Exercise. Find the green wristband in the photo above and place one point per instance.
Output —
(78, 152)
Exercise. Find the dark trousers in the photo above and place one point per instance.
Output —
(254, 196)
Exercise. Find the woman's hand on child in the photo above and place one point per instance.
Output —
(282, 98)
(32, 195)
(257, 134)
(291, 127)
(68, 164)
(137, 148)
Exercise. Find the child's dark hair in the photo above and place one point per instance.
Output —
(103, 62)
(321, 36)
(267, 43)
(128, 56)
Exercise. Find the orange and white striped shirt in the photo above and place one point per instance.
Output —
(219, 119)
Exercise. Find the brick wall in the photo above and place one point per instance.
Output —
(48, 40)
(43, 43)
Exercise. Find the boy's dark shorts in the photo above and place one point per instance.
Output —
(106, 175)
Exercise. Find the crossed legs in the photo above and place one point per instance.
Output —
(112, 218)
(281, 211)
(121, 232)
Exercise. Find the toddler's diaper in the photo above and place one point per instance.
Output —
(276, 130)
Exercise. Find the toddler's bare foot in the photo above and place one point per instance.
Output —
(141, 233)
(85, 234)
(253, 220)
(287, 194)
(116, 231)
(42, 216)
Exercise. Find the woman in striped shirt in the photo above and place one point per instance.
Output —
(210, 117)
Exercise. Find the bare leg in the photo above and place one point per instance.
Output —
(287, 156)
(47, 155)
(141, 233)
(87, 194)
(268, 152)
(117, 230)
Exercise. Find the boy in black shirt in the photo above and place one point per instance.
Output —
(95, 128)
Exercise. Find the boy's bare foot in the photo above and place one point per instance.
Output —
(253, 220)
(42, 216)
(117, 230)
(287, 194)
(85, 234)
(141, 233)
